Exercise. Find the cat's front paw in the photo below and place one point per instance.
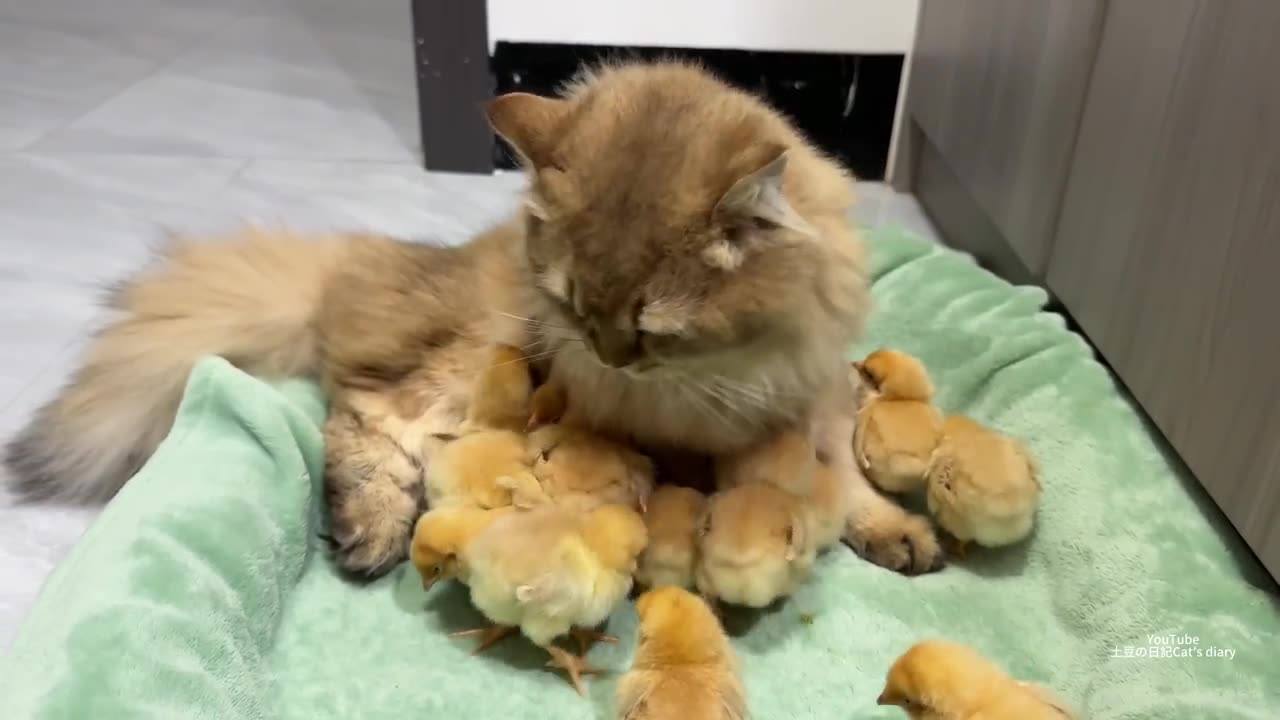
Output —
(370, 526)
(374, 499)
(904, 543)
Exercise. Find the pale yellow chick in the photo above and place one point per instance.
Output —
(937, 680)
(684, 666)
(490, 460)
(551, 571)
(789, 462)
(897, 427)
(982, 485)
(439, 536)
(755, 546)
(578, 469)
(672, 518)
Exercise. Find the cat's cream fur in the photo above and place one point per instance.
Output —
(685, 262)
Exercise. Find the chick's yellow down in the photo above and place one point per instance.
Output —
(755, 545)
(982, 485)
(787, 460)
(684, 666)
(439, 536)
(897, 427)
(790, 462)
(490, 460)
(484, 469)
(671, 518)
(551, 570)
(578, 469)
(936, 680)
(501, 396)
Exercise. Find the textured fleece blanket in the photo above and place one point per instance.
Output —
(203, 591)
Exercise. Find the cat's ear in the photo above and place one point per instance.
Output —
(757, 198)
(530, 123)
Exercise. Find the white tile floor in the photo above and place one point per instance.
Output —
(120, 119)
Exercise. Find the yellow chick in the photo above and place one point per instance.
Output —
(828, 508)
(548, 405)
(790, 462)
(489, 462)
(787, 460)
(485, 469)
(552, 571)
(937, 680)
(684, 666)
(755, 546)
(439, 536)
(898, 427)
(502, 393)
(672, 521)
(982, 485)
(578, 469)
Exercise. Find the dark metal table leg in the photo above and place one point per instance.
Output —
(451, 57)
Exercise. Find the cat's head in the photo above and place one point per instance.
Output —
(671, 218)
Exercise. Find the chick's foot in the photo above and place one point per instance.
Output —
(587, 639)
(488, 636)
(575, 666)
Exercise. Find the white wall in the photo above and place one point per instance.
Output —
(841, 26)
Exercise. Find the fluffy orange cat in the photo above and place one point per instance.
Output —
(683, 256)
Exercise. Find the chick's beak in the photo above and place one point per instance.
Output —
(885, 698)
(428, 583)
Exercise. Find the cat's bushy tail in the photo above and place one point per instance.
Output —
(251, 298)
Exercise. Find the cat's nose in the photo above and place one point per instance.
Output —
(615, 347)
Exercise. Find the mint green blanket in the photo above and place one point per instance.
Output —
(203, 590)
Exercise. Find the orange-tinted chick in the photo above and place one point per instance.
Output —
(672, 518)
(937, 680)
(898, 427)
(684, 666)
(982, 485)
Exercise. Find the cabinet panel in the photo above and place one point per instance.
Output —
(997, 88)
(1168, 247)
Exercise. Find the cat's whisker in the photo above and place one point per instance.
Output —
(740, 393)
(695, 393)
(714, 396)
(532, 321)
(528, 358)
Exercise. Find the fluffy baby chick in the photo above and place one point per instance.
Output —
(755, 545)
(501, 396)
(898, 427)
(489, 462)
(684, 667)
(672, 521)
(787, 460)
(578, 469)
(828, 508)
(982, 485)
(552, 570)
(548, 405)
(790, 462)
(439, 536)
(485, 469)
(937, 680)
